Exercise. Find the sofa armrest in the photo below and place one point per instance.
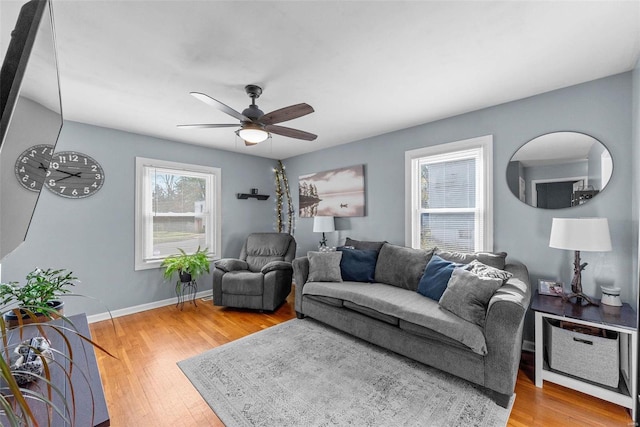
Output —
(276, 265)
(300, 274)
(231, 264)
(503, 330)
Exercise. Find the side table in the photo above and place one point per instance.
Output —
(185, 290)
(619, 319)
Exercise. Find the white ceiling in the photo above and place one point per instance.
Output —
(367, 67)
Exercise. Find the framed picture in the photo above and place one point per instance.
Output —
(337, 192)
(550, 287)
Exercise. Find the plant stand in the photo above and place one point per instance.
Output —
(185, 290)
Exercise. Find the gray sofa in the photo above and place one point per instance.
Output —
(390, 313)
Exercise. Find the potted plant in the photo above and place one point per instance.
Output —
(188, 266)
(39, 297)
(37, 301)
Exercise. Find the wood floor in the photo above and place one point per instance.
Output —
(145, 387)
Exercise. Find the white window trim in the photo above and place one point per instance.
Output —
(215, 252)
(412, 191)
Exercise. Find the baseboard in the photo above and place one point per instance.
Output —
(529, 346)
(142, 307)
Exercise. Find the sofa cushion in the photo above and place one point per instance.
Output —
(405, 305)
(435, 278)
(243, 282)
(401, 266)
(324, 266)
(327, 300)
(358, 265)
(371, 313)
(493, 259)
(363, 244)
(483, 270)
(468, 295)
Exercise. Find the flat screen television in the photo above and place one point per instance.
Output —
(30, 113)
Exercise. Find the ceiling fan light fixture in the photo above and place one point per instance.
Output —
(252, 132)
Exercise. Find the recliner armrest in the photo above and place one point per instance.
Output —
(276, 265)
(231, 264)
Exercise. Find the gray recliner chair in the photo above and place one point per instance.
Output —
(260, 278)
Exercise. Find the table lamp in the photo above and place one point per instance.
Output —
(323, 224)
(580, 234)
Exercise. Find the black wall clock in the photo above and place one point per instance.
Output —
(32, 165)
(74, 175)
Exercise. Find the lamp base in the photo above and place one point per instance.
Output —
(579, 297)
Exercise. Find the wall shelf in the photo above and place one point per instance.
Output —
(244, 196)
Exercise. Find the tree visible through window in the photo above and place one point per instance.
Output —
(178, 207)
(449, 195)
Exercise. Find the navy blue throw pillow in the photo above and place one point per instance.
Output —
(358, 265)
(436, 277)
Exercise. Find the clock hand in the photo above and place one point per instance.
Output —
(69, 173)
(43, 167)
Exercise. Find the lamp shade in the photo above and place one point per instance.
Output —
(322, 224)
(580, 234)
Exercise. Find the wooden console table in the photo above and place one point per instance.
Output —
(619, 319)
(90, 406)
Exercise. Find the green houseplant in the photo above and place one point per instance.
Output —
(40, 295)
(188, 266)
(36, 302)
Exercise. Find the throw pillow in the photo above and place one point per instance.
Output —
(483, 270)
(400, 266)
(358, 265)
(493, 259)
(324, 266)
(468, 295)
(435, 278)
(363, 244)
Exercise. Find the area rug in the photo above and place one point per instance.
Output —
(303, 373)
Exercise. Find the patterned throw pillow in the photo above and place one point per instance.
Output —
(483, 270)
(324, 266)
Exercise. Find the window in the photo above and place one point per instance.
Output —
(449, 196)
(177, 206)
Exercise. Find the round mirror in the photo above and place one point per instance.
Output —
(559, 170)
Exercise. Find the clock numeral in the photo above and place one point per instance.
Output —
(33, 184)
(62, 159)
(25, 178)
(94, 185)
(33, 153)
(46, 150)
(21, 170)
(73, 157)
(98, 176)
(52, 183)
(87, 190)
(74, 192)
(94, 168)
(54, 165)
(25, 160)
(48, 172)
(62, 188)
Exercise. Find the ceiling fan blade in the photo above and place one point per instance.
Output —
(219, 105)
(287, 113)
(291, 133)
(207, 126)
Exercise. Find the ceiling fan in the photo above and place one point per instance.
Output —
(255, 126)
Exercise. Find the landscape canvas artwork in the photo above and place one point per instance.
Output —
(337, 192)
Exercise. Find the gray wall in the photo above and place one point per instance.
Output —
(94, 238)
(601, 108)
(635, 196)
